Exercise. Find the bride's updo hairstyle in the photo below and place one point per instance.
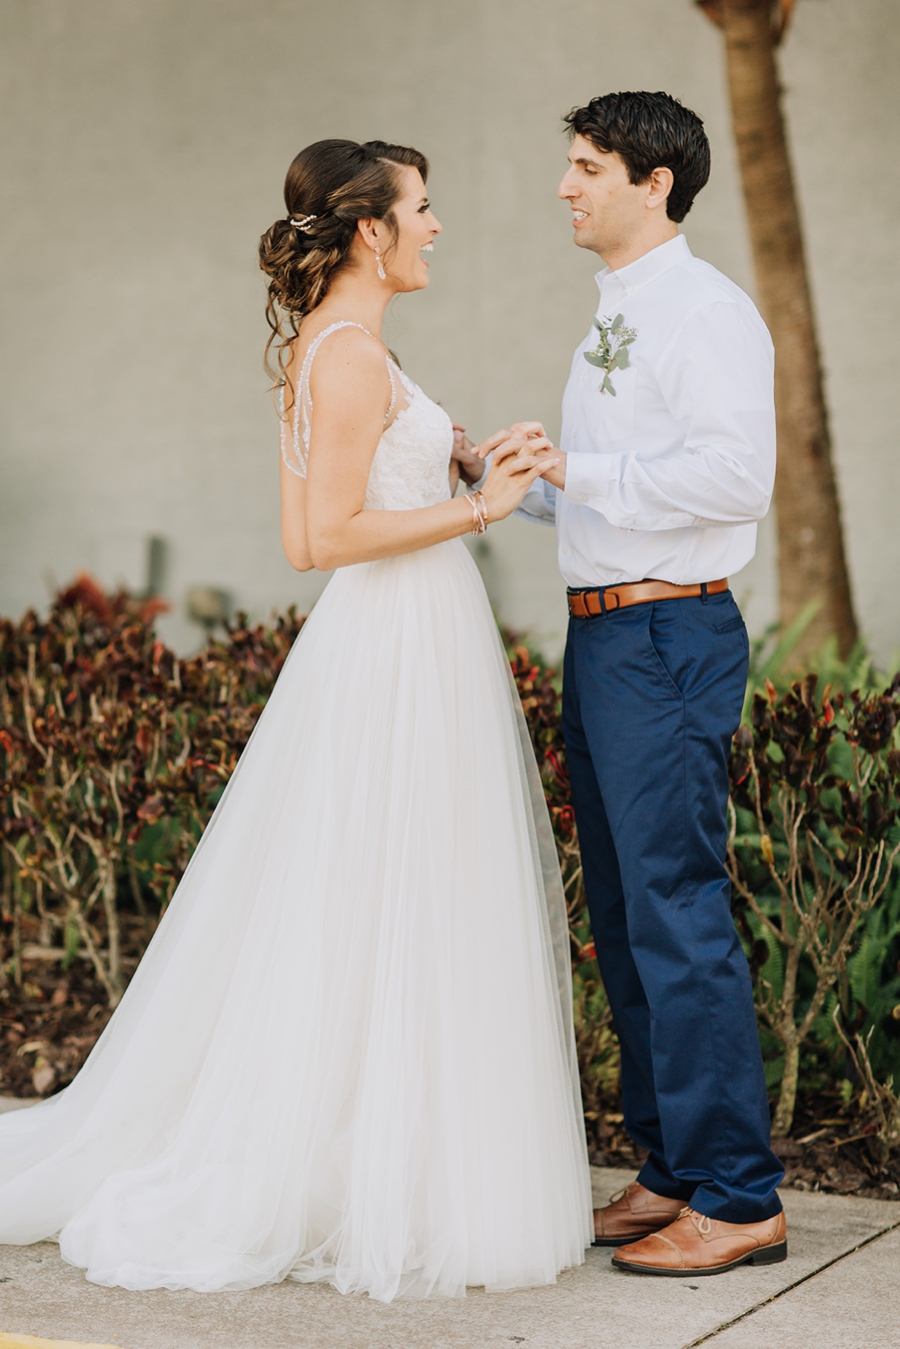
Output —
(329, 187)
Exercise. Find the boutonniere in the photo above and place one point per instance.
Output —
(611, 351)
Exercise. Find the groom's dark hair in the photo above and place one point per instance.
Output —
(649, 131)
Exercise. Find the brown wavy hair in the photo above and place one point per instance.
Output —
(339, 182)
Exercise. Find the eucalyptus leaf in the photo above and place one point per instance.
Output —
(612, 334)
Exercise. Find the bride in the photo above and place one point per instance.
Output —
(347, 1054)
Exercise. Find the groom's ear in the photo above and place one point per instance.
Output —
(659, 185)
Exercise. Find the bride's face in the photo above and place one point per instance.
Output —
(405, 262)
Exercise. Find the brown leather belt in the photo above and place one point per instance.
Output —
(591, 603)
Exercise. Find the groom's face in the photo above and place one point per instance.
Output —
(607, 208)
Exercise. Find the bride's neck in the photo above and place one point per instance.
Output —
(351, 296)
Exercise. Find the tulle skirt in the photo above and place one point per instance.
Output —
(347, 1053)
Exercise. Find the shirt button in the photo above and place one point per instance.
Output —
(583, 496)
(565, 552)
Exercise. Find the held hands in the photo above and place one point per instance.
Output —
(527, 440)
(555, 459)
(517, 460)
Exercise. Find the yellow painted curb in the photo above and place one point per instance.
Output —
(29, 1342)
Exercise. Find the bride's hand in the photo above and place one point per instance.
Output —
(516, 462)
(519, 430)
(554, 458)
(465, 457)
(532, 436)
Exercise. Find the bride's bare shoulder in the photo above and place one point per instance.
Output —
(344, 360)
(326, 352)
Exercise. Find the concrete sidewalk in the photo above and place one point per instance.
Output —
(839, 1289)
(818, 1304)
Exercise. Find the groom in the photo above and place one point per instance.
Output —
(667, 461)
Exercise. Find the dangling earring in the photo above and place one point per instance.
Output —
(382, 274)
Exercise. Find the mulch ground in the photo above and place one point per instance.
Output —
(830, 1150)
(824, 1152)
(49, 1025)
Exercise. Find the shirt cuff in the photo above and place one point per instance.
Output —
(537, 505)
(589, 478)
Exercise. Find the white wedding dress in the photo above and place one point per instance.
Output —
(348, 1053)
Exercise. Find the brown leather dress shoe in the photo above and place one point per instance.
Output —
(633, 1213)
(695, 1245)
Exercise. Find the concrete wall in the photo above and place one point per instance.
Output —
(143, 148)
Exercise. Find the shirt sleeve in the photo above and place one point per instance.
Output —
(539, 503)
(717, 377)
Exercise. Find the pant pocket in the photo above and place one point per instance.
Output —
(730, 620)
(666, 644)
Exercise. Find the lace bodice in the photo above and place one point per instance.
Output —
(411, 463)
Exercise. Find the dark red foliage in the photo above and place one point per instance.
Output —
(113, 753)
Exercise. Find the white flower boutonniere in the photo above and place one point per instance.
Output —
(611, 351)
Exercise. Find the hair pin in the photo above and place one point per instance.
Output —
(305, 223)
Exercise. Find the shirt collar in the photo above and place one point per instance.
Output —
(615, 286)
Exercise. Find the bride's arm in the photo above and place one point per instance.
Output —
(293, 520)
(350, 391)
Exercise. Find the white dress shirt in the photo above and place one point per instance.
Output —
(667, 478)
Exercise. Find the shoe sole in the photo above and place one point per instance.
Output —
(766, 1255)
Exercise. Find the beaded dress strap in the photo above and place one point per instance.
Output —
(303, 404)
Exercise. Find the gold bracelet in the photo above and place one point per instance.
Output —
(479, 512)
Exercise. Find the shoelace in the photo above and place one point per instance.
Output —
(702, 1223)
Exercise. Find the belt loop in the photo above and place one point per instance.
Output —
(704, 592)
(602, 597)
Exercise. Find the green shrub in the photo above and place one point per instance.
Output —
(812, 852)
(114, 753)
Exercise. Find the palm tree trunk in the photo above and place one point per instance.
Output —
(811, 559)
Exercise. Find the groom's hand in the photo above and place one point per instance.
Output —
(532, 433)
(556, 467)
(520, 431)
(527, 438)
(526, 429)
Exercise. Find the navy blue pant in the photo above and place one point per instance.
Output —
(652, 696)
